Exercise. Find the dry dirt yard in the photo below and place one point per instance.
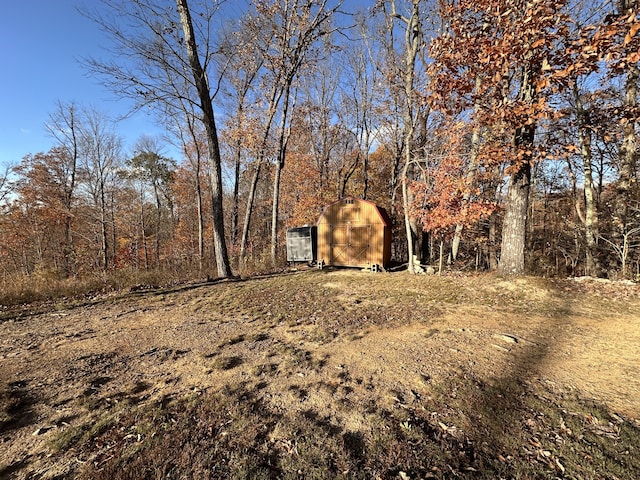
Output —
(326, 374)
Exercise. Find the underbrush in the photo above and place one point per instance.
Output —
(508, 430)
(49, 285)
(25, 289)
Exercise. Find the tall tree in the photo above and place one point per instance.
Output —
(64, 126)
(152, 168)
(604, 41)
(42, 188)
(204, 94)
(257, 25)
(625, 55)
(413, 43)
(585, 127)
(580, 73)
(359, 95)
(473, 167)
(302, 23)
(512, 46)
(166, 60)
(286, 31)
(245, 62)
(101, 157)
(189, 136)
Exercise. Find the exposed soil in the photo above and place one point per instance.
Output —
(453, 359)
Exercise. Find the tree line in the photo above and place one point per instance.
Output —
(499, 135)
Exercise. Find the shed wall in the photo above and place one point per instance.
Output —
(353, 232)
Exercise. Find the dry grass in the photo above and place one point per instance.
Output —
(42, 287)
(519, 432)
(332, 374)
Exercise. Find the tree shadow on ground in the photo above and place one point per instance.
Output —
(16, 411)
(9, 471)
(16, 406)
(523, 426)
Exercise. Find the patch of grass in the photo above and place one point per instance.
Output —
(210, 437)
(15, 405)
(322, 335)
(54, 292)
(294, 357)
(68, 437)
(226, 362)
(8, 406)
(83, 433)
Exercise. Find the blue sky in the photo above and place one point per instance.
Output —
(41, 43)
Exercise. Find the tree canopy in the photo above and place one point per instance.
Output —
(498, 134)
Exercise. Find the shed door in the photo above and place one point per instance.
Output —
(350, 244)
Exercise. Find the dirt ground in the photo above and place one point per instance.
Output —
(340, 344)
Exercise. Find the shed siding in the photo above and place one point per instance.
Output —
(354, 232)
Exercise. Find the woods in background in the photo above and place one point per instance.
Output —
(499, 134)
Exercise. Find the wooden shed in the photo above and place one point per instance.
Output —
(355, 233)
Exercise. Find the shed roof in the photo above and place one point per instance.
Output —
(382, 213)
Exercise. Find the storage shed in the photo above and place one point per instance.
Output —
(355, 233)
(301, 244)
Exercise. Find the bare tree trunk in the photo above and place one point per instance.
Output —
(69, 250)
(204, 94)
(114, 235)
(249, 211)
(282, 150)
(198, 186)
(493, 241)
(407, 220)
(365, 171)
(591, 207)
(143, 226)
(515, 223)
(64, 127)
(200, 210)
(274, 99)
(413, 41)
(275, 205)
(514, 229)
(158, 220)
(628, 153)
(103, 229)
(199, 207)
(471, 174)
(235, 212)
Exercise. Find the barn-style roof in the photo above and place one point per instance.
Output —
(382, 213)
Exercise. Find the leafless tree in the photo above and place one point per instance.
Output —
(101, 155)
(413, 34)
(165, 58)
(245, 61)
(287, 31)
(64, 126)
(5, 185)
